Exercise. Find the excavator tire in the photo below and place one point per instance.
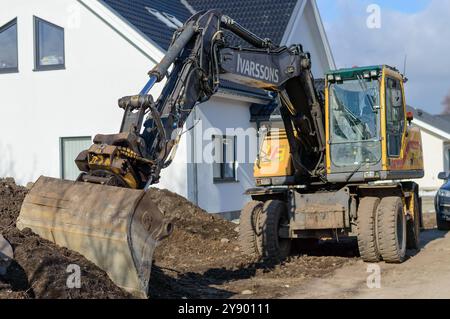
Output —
(249, 233)
(367, 239)
(115, 228)
(391, 230)
(413, 225)
(274, 248)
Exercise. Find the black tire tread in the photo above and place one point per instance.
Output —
(386, 230)
(367, 241)
(269, 224)
(248, 240)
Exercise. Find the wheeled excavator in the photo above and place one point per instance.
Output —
(338, 168)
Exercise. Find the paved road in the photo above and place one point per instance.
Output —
(424, 275)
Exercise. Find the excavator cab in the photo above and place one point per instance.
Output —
(367, 132)
(368, 136)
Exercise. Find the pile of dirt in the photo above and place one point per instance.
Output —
(40, 268)
(199, 239)
(202, 258)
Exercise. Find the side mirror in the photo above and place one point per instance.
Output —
(444, 176)
(409, 117)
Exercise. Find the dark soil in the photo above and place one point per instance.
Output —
(201, 259)
(39, 269)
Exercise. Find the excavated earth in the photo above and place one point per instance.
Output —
(39, 269)
(201, 259)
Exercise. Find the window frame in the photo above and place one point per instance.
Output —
(37, 64)
(402, 119)
(4, 28)
(222, 179)
(61, 150)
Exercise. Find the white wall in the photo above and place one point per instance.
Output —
(305, 32)
(39, 107)
(224, 113)
(447, 156)
(433, 155)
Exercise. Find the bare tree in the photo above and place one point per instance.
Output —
(446, 104)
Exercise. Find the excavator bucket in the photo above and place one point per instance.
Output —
(115, 228)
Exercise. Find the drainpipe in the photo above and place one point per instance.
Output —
(194, 158)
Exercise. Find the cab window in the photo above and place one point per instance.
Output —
(395, 117)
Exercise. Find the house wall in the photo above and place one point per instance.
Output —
(304, 30)
(225, 114)
(447, 156)
(433, 153)
(39, 107)
(218, 116)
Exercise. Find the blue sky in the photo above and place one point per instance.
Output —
(417, 29)
(329, 9)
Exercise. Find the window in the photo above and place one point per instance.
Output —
(354, 122)
(395, 117)
(224, 165)
(8, 48)
(48, 46)
(70, 147)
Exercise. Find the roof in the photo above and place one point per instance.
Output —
(446, 117)
(150, 24)
(434, 123)
(266, 18)
(265, 112)
(271, 110)
(137, 13)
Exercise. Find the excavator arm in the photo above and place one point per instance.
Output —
(197, 60)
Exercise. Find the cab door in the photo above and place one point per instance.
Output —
(395, 117)
(404, 158)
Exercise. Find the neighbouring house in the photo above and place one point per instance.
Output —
(64, 64)
(436, 147)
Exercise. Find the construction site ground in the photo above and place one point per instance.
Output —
(202, 259)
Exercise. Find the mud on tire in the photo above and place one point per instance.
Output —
(367, 239)
(249, 232)
(273, 215)
(391, 230)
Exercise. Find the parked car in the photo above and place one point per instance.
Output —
(442, 203)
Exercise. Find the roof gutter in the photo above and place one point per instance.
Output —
(432, 129)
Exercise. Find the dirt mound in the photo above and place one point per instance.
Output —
(199, 239)
(40, 267)
(202, 259)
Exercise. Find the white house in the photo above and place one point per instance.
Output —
(64, 64)
(436, 147)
